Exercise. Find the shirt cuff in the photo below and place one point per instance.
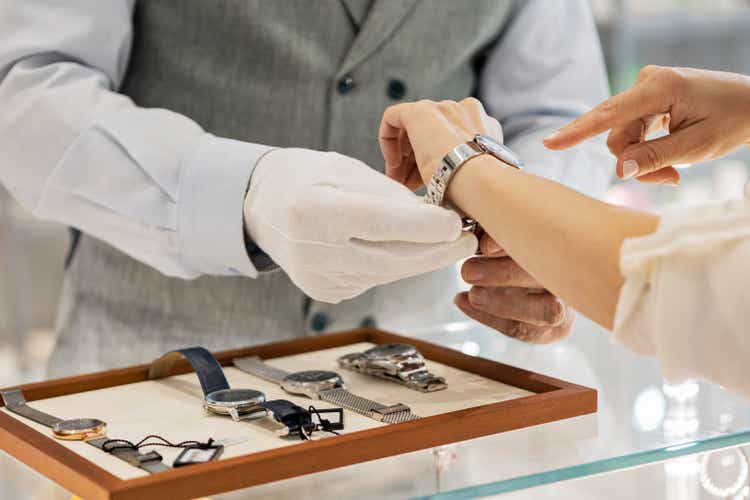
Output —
(683, 281)
(212, 192)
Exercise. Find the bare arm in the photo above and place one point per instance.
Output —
(567, 241)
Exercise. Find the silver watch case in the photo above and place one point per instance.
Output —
(240, 404)
(311, 383)
(399, 360)
(499, 151)
(400, 363)
(458, 156)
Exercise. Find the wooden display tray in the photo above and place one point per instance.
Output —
(553, 400)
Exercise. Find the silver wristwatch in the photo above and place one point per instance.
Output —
(400, 363)
(325, 385)
(462, 153)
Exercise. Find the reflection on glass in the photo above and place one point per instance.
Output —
(724, 473)
(443, 456)
(649, 409)
(681, 420)
(682, 478)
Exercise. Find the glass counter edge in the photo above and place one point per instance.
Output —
(596, 467)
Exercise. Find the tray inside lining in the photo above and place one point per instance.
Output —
(171, 407)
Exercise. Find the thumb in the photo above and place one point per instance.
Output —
(651, 156)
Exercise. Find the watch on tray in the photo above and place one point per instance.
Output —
(327, 386)
(240, 404)
(399, 363)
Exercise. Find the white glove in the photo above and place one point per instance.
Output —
(338, 228)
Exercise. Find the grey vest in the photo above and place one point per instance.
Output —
(314, 74)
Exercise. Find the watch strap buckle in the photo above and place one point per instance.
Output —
(137, 459)
(383, 412)
(151, 456)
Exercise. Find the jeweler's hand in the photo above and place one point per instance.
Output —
(338, 227)
(705, 112)
(508, 299)
(414, 137)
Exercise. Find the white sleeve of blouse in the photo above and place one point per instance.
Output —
(686, 296)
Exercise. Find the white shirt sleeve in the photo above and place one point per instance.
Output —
(687, 293)
(547, 69)
(150, 182)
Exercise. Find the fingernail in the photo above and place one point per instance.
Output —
(473, 271)
(630, 169)
(493, 247)
(554, 135)
(458, 299)
(478, 296)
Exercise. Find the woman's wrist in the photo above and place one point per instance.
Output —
(468, 181)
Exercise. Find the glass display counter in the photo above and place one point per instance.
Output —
(641, 421)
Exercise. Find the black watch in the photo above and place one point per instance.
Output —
(294, 418)
(219, 398)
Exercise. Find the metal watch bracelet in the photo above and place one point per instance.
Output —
(458, 156)
(392, 414)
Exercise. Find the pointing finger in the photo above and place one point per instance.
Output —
(631, 105)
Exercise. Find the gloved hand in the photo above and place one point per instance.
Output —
(338, 228)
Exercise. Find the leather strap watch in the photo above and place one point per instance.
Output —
(90, 430)
(457, 157)
(325, 385)
(219, 398)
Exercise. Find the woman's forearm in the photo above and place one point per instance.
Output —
(566, 240)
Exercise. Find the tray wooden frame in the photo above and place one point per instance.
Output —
(554, 400)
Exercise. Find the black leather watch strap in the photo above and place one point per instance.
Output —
(209, 371)
(289, 414)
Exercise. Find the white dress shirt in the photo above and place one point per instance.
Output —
(155, 185)
(687, 293)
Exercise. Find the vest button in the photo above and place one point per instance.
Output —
(319, 322)
(368, 322)
(396, 90)
(345, 85)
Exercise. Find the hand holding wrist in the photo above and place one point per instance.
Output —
(338, 228)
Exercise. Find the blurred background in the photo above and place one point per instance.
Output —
(703, 33)
(637, 410)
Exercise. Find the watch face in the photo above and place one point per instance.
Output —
(386, 351)
(78, 425)
(233, 398)
(313, 376)
(498, 150)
